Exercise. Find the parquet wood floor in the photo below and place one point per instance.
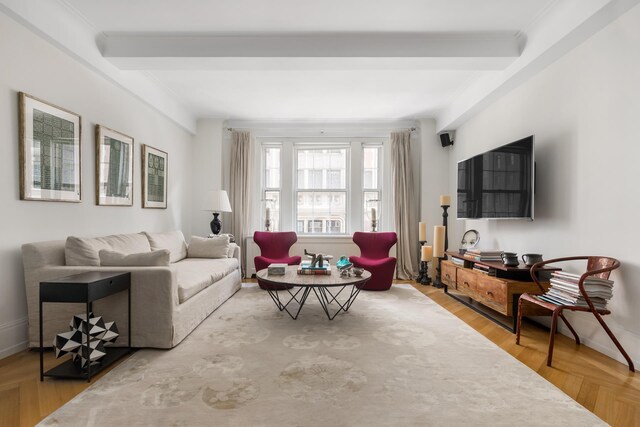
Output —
(599, 383)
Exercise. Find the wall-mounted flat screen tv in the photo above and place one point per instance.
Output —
(499, 183)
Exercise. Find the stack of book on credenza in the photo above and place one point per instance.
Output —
(490, 271)
(484, 255)
(564, 290)
(457, 261)
(306, 268)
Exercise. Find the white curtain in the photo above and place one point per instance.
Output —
(239, 188)
(404, 204)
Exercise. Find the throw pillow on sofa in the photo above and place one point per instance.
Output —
(173, 241)
(84, 250)
(212, 247)
(157, 258)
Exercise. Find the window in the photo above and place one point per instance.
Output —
(334, 226)
(371, 188)
(320, 186)
(271, 187)
(321, 190)
(315, 226)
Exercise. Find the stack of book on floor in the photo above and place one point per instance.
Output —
(483, 255)
(564, 290)
(484, 269)
(306, 268)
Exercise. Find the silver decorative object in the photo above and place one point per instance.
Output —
(75, 341)
(345, 270)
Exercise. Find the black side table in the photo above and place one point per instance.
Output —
(84, 288)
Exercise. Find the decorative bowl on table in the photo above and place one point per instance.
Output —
(510, 259)
(343, 262)
(358, 271)
(530, 259)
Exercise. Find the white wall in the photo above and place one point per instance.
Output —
(207, 171)
(32, 65)
(434, 181)
(584, 112)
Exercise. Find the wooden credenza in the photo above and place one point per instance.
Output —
(500, 293)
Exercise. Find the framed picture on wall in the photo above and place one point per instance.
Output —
(114, 168)
(154, 178)
(50, 167)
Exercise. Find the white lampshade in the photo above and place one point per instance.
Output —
(217, 201)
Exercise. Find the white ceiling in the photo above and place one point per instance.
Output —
(310, 88)
(282, 16)
(315, 94)
(342, 60)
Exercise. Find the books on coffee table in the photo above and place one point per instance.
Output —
(306, 268)
(277, 269)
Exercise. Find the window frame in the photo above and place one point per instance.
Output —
(296, 190)
(380, 147)
(354, 181)
(264, 189)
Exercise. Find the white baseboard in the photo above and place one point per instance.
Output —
(593, 335)
(13, 337)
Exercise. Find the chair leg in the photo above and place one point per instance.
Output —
(566, 322)
(519, 324)
(615, 340)
(552, 333)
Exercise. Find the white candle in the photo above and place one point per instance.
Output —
(438, 241)
(422, 232)
(374, 214)
(427, 253)
(445, 200)
(267, 215)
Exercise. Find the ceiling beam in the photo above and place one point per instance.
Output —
(426, 45)
(313, 64)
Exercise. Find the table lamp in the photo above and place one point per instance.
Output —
(217, 201)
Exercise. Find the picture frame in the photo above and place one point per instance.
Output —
(114, 167)
(155, 166)
(50, 151)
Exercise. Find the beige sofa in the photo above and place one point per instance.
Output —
(167, 302)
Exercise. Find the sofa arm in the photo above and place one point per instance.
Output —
(154, 296)
(237, 253)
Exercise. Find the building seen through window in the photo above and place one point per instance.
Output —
(321, 196)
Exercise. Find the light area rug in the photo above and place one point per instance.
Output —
(395, 359)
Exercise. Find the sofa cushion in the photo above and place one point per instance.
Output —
(212, 247)
(171, 240)
(196, 274)
(84, 250)
(157, 258)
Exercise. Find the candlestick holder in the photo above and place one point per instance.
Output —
(445, 217)
(421, 271)
(267, 225)
(438, 282)
(374, 225)
(424, 271)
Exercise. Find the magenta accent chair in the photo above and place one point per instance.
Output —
(374, 257)
(274, 248)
